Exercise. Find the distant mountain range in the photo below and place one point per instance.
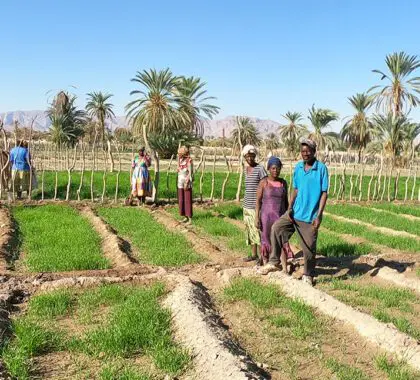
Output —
(213, 128)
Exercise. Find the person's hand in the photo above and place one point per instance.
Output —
(186, 184)
(316, 223)
(290, 214)
(257, 223)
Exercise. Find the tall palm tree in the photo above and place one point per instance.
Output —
(359, 130)
(321, 119)
(196, 103)
(393, 130)
(292, 131)
(245, 132)
(157, 107)
(400, 93)
(99, 108)
(67, 122)
(272, 141)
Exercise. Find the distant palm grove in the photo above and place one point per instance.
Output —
(167, 110)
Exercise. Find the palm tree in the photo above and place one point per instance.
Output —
(321, 119)
(411, 144)
(292, 131)
(272, 141)
(67, 122)
(98, 108)
(359, 130)
(393, 130)
(156, 108)
(195, 103)
(245, 132)
(401, 91)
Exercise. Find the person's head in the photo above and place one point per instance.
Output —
(141, 151)
(274, 166)
(307, 149)
(250, 153)
(183, 151)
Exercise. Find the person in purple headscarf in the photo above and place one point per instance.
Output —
(272, 203)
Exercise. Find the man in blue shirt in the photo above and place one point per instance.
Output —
(19, 159)
(307, 203)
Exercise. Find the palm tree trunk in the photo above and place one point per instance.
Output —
(111, 158)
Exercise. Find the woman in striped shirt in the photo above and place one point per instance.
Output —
(254, 173)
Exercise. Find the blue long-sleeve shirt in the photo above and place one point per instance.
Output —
(19, 158)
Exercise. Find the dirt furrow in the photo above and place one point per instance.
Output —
(216, 355)
(201, 245)
(385, 336)
(86, 281)
(397, 278)
(111, 242)
(6, 236)
(384, 230)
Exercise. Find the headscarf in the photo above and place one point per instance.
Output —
(274, 161)
(249, 149)
(183, 151)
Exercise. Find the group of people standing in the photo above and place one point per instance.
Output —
(141, 184)
(271, 217)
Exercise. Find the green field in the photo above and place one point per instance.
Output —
(156, 244)
(106, 329)
(57, 238)
(124, 186)
(378, 219)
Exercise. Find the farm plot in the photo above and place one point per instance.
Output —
(108, 332)
(330, 244)
(366, 215)
(221, 230)
(56, 238)
(388, 304)
(413, 210)
(156, 245)
(294, 341)
(401, 243)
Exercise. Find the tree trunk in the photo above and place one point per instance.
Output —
(201, 180)
(82, 173)
(111, 158)
(117, 181)
(213, 174)
(414, 184)
(406, 184)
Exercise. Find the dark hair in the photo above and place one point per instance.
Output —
(310, 147)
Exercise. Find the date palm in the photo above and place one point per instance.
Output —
(400, 92)
(100, 109)
(67, 122)
(358, 130)
(321, 119)
(156, 108)
(292, 131)
(245, 132)
(196, 103)
(393, 131)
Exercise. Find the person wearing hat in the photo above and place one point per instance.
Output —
(272, 203)
(254, 173)
(184, 184)
(141, 184)
(304, 215)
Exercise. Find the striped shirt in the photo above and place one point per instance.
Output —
(252, 181)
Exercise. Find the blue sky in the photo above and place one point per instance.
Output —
(259, 58)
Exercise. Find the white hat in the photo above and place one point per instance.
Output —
(249, 149)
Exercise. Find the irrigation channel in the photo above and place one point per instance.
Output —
(91, 291)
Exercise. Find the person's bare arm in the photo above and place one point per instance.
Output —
(322, 203)
(260, 191)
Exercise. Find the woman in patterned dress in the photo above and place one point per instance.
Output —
(184, 184)
(141, 185)
(272, 203)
